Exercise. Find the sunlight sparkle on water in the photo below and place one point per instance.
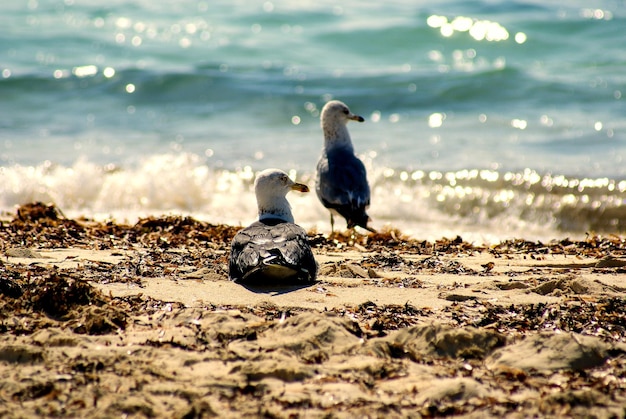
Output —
(435, 120)
(478, 29)
(85, 71)
(597, 14)
(489, 175)
(519, 123)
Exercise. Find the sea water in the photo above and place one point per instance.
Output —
(485, 119)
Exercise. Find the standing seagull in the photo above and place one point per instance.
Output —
(341, 180)
(272, 250)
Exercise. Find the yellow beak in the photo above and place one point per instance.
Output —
(357, 118)
(300, 187)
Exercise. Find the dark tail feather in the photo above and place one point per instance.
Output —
(361, 220)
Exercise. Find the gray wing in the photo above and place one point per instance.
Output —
(341, 185)
(270, 252)
(342, 180)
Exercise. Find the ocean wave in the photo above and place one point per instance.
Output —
(219, 88)
(560, 203)
(483, 203)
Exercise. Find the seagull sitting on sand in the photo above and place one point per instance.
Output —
(341, 180)
(273, 250)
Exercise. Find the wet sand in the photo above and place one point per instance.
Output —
(110, 320)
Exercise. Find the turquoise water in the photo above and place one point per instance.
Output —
(484, 119)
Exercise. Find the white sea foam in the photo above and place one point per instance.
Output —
(480, 206)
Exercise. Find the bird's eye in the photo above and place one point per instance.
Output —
(345, 111)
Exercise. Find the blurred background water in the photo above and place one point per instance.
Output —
(485, 119)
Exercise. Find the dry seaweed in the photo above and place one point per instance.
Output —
(379, 320)
(605, 318)
(38, 225)
(44, 226)
(53, 297)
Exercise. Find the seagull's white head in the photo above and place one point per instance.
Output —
(271, 187)
(335, 115)
(336, 111)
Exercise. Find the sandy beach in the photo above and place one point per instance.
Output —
(141, 321)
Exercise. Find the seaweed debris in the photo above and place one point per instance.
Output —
(44, 226)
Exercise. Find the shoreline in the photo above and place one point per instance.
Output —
(108, 320)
